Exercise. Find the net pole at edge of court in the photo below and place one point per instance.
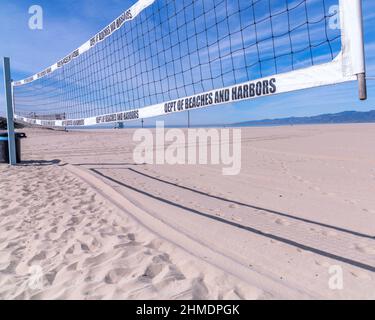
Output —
(9, 112)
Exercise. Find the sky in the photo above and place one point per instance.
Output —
(69, 23)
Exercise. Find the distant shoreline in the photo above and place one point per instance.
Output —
(347, 117)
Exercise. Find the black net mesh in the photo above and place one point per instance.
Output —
(178, 48)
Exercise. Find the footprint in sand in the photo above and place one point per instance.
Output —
(38, 257)
(85, 247)
(131, 236)
(72, 267)
(161, 258)
(115, 275)
(199, 289)
(171, 281)
(282, 222)
(71, 250)
(151, 271)
(50, 276)
(155, 244)
(364, 248)
(73, 221)
(174, 273)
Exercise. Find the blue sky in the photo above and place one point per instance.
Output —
(68, 23)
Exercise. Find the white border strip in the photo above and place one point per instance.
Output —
(316, 76)
(114, 26)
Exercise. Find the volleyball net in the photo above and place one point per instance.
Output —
(165, 56)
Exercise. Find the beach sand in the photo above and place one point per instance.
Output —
(97, 226)
(88, 249)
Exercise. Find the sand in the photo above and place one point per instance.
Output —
(87, 249)
(100, 227)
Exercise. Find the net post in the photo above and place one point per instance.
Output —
(361, 76)
(9, 113)
(362, 86)
(358, 54)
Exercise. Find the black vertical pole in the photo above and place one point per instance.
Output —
(10, 114)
